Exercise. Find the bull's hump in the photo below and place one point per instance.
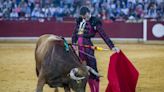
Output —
(53, 37)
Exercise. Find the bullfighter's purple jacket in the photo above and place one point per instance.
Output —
(93, 26)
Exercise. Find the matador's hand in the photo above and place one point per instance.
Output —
(116, 49)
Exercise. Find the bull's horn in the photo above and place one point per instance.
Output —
(72, 74)
(93, 71)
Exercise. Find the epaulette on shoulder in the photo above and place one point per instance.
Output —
(95, 21)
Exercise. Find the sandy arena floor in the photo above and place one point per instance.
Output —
(17, 67)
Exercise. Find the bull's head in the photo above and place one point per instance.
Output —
(79, 77)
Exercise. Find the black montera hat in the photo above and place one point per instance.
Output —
(84, 10)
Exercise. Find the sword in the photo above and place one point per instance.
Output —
(92, 47)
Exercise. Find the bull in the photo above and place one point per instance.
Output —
(59, 68)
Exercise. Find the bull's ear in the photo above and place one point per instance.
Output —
(83, 71)
(80, 72)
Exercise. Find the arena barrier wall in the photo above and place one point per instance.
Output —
(144, 31)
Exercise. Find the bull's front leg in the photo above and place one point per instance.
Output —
(41, 82)
(56, 90)
(67, 89)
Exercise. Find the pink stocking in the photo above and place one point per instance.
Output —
(96, 83)
(91, 85)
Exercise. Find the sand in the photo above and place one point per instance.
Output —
(17, 67)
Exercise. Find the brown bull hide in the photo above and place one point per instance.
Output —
(53, 65)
